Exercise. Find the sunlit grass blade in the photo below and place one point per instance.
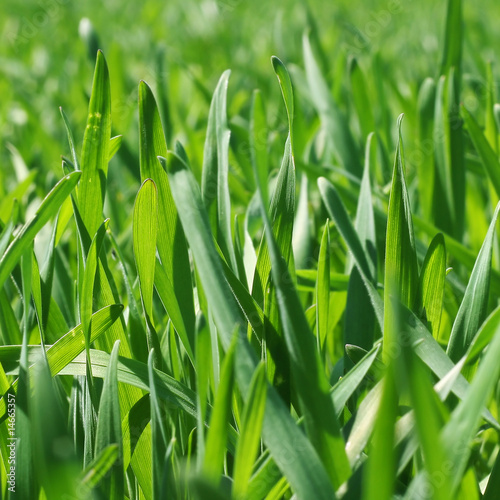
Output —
(473, 308)
(305, 470)
(171, 242)
(145, 228)
(109, 428)
(95, 149)
(323, 288)
(99, 468)
(258, 141)
(432, 279)
(25, 236)
(401, 271)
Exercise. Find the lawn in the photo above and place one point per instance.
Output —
(248, 250)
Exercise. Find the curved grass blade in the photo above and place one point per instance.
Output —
(323, 288)
(26, 235)
(303, 469)
(95, 149)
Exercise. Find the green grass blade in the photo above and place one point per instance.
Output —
(361, 98)
(145, 228)
(251, 428)
(304, 471)
(323, 288)
(452, 51)
(488, 156)
(215, 449)
(109, 428)
(466, 417)
(258, 142)
(432, 279)
(215, 185)
(171, 242)
(95, 149)
(401, 271)
(99, 468)
(25, 236)
(332, 118)
(472, 310)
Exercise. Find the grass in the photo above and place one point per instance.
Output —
(249, 284)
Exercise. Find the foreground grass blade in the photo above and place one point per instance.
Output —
(472, 310)
(45, 212)
(109, 428)
(323, 288)
(401, 271)
(303, 469)
(95, 149)
(251, 427)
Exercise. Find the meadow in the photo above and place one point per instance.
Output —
(249, 250)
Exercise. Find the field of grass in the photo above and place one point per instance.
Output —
(248, 250)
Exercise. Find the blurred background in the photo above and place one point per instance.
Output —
(48, 49)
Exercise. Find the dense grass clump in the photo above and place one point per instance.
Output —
(238, 286)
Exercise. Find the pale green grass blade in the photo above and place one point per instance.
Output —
(171, 242)
(215, 446)
(251, 428)
(488, 156)
(304, 471)
(473, 308)
(45, 212)
(114, 146)
(432, 279)
(323, 288)
(286, 91)
(95, 149)
(332, 118)
(145, 228)
(109, 428)
(401, 271)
